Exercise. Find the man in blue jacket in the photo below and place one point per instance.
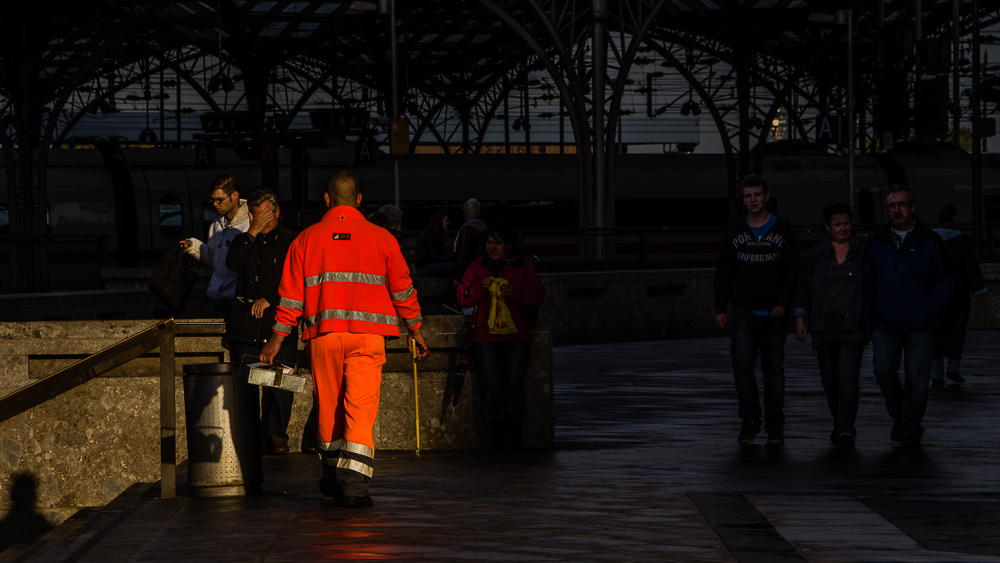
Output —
(906, 288)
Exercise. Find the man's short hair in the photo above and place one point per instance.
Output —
(225, 182)
(391, 212)
(836, 208)
(948, 214)
(753, 181)
(896, 188)
(471, 209)
(343, 187)
(260, 196)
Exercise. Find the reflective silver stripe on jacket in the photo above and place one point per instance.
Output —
(355, 466)
(345, 315)
(359, 449)
(410, 323)
(331, 446)
(401, 295)
(353, 277)
(290, 304)
(286, 329)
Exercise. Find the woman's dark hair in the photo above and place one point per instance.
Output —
(378, 218)
(948, 214)
(836, 208)
(436, 226)
(505, 233)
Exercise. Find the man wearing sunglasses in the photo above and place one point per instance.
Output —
(234, 219)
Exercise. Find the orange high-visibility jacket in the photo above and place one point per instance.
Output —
(345, 274)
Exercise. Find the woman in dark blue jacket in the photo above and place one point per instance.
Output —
(828, 304)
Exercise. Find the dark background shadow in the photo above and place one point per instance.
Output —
(24, 524)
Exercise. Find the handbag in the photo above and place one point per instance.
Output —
(173, 279)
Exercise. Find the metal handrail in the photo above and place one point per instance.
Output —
(161, 335)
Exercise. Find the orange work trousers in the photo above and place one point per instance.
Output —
(347, 379)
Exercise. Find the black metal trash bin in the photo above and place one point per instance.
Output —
(223, 426)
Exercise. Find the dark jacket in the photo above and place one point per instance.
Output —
(259, 262)
(756, 274)
(429, 250)
(905, 288)
(814, 281)
(470, 245)
(967, 278)
(527, 291)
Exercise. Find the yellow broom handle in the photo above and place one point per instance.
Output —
(416, 401)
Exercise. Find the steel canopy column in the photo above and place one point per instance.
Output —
(743, 103)
(977, 131)
(851, 125)
(600, 56)
(397, 194)
(956, 65)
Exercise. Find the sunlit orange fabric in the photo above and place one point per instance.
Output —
(348, 379)
(345, 274)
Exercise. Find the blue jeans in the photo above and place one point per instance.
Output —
(754, 335)
(502, 365)
(839, 368)
(937, 367)
(906, 402)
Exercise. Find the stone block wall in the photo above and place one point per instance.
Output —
(87, 445)
(630, 305)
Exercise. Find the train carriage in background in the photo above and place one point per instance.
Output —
(139, 202)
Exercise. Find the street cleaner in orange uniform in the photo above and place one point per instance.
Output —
(348, 280)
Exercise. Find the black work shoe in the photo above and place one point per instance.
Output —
(332, 491)
(955, 377)
(897, 433)
(937, 382)
(911, 442)
(776, 435)
(845, 440)
(358, 502)
(751, 427)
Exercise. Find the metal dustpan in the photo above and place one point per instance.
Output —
(277, 376)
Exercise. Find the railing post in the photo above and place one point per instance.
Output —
(168, 416)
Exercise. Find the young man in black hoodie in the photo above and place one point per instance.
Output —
(757, 271)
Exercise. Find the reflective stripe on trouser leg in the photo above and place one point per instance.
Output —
(329, 455)
(347, 374)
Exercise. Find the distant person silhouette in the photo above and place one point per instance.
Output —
(967, 278)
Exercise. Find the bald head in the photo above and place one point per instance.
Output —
(343, 189)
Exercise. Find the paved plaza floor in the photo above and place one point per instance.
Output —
(646, 468)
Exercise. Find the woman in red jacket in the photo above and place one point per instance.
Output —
(503, 358)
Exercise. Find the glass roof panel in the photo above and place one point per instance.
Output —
(262, 7)
(273, 29)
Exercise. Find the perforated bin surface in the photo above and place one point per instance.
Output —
(222, 415)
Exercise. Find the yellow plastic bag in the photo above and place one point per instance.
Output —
(500, 321)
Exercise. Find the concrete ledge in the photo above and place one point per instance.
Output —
(87, 445)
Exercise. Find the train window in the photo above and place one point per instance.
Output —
(171, 216)
(991, 208)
